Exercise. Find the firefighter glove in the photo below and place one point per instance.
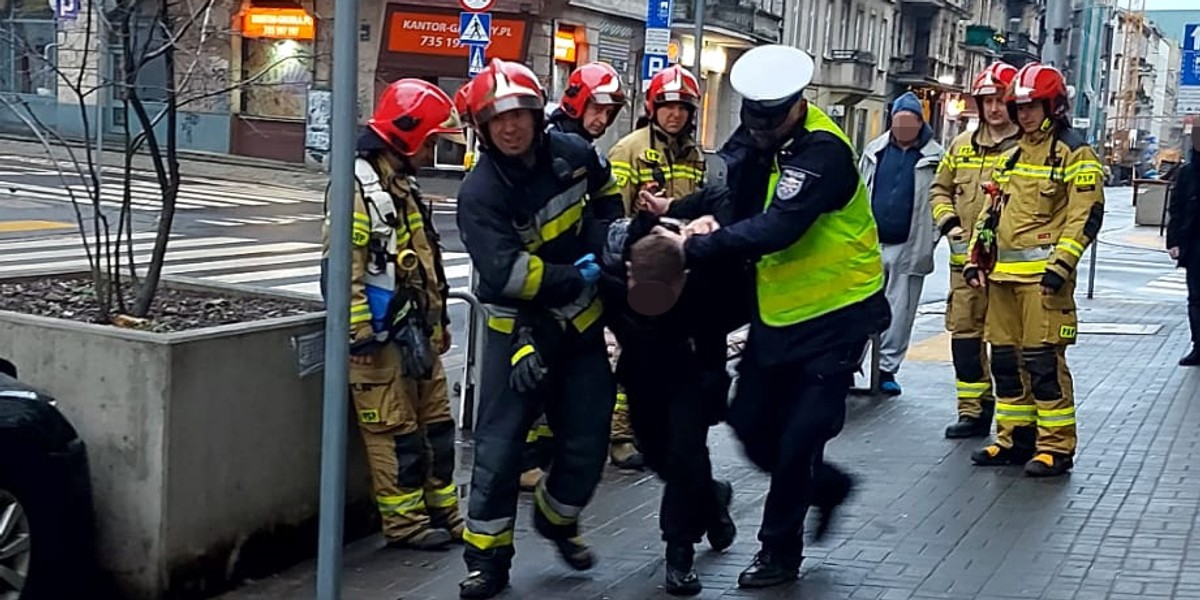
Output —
(416, 352)
(972, 273)
(528, 370)
(1052, 280)
(588, 268)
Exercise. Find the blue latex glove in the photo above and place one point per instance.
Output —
(588, 268)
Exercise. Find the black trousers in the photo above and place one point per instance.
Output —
(784, 416)
(671, 408)
(577, 397)
(1193, 302)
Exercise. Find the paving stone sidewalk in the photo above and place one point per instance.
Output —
(925, 524)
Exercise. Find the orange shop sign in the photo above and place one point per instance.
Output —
(421, 33)
(281, 23)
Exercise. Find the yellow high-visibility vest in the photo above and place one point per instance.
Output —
(835, 264)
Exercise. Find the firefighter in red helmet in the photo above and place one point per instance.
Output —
(958, 198)
(591, 101)
(398, 319)
(1047, 208)
(533, 215)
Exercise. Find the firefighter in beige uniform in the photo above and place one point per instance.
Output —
(957, 199)
(663, 157)
(398, 320)
(1026, 246)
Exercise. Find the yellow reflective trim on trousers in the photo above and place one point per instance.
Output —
(521, 352)
(443, 497)
(1016, 413)
(360, 313)
(484, 541)
(1071, 246)
(502, 324)
(402, 504)
(973, 391)
(1056, 417)
(544, 503)
(622, 402)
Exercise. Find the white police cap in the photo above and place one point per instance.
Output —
(770, 73)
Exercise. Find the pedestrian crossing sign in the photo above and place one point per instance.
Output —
(475, 28)
(475, 59)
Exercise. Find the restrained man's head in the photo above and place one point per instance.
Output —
(656, 275)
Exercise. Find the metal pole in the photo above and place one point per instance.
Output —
(700, 70)
(1092, 270)
(337, 302)
(101, 96)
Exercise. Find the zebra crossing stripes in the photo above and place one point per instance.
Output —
(286, 266)
(195, 193)
(1172, 284)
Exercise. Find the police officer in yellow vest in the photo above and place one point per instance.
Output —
(806, 224)
(398, 320)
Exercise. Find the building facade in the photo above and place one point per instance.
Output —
(1143, 88)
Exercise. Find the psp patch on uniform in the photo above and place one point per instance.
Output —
(1086, 182)
(791, 182)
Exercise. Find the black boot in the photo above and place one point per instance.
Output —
(681, 576)
(722, 530)
(1192, 359)
(994, 455)
(480, 585)
(1047, 464)
(567, 540)
(768, 570)
(968, 427)
(833, 489)
(427, 538)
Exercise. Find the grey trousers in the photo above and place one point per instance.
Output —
(903, 293)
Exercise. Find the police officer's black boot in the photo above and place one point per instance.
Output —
(769, 569)
(1192, 359)
(832, 487)
(722, 530)
(480, 585)
(681, 574)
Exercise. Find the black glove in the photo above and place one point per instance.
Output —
(971, 273)
(416, 353)
(1053, 280)
(528, 369)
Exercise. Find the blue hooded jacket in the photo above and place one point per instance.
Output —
(895, 178)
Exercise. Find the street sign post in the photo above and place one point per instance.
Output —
(658, 38)
(1189, 71)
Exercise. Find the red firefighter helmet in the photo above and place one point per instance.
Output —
(501, 87)
(672, 84)
(1035, 82)
(995, 79)
(461, 98)
(411, 110)
(595, 81)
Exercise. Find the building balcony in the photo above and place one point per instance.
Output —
(1019, 49)
(984, 40)
(923, 71)
(738, 17)
(851, 71)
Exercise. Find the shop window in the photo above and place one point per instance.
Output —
(278, 73)
(27, 48)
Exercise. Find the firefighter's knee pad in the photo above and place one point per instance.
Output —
(410, 457)
(1042, 364)
(1006, 368)
(968, 355)
(441, 441)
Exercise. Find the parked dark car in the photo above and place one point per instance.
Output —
(46, 520)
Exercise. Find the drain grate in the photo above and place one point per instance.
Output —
(1119, 328)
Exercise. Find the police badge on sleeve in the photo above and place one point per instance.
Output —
(791, 182)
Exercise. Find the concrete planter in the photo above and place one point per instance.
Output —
(204, 445)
